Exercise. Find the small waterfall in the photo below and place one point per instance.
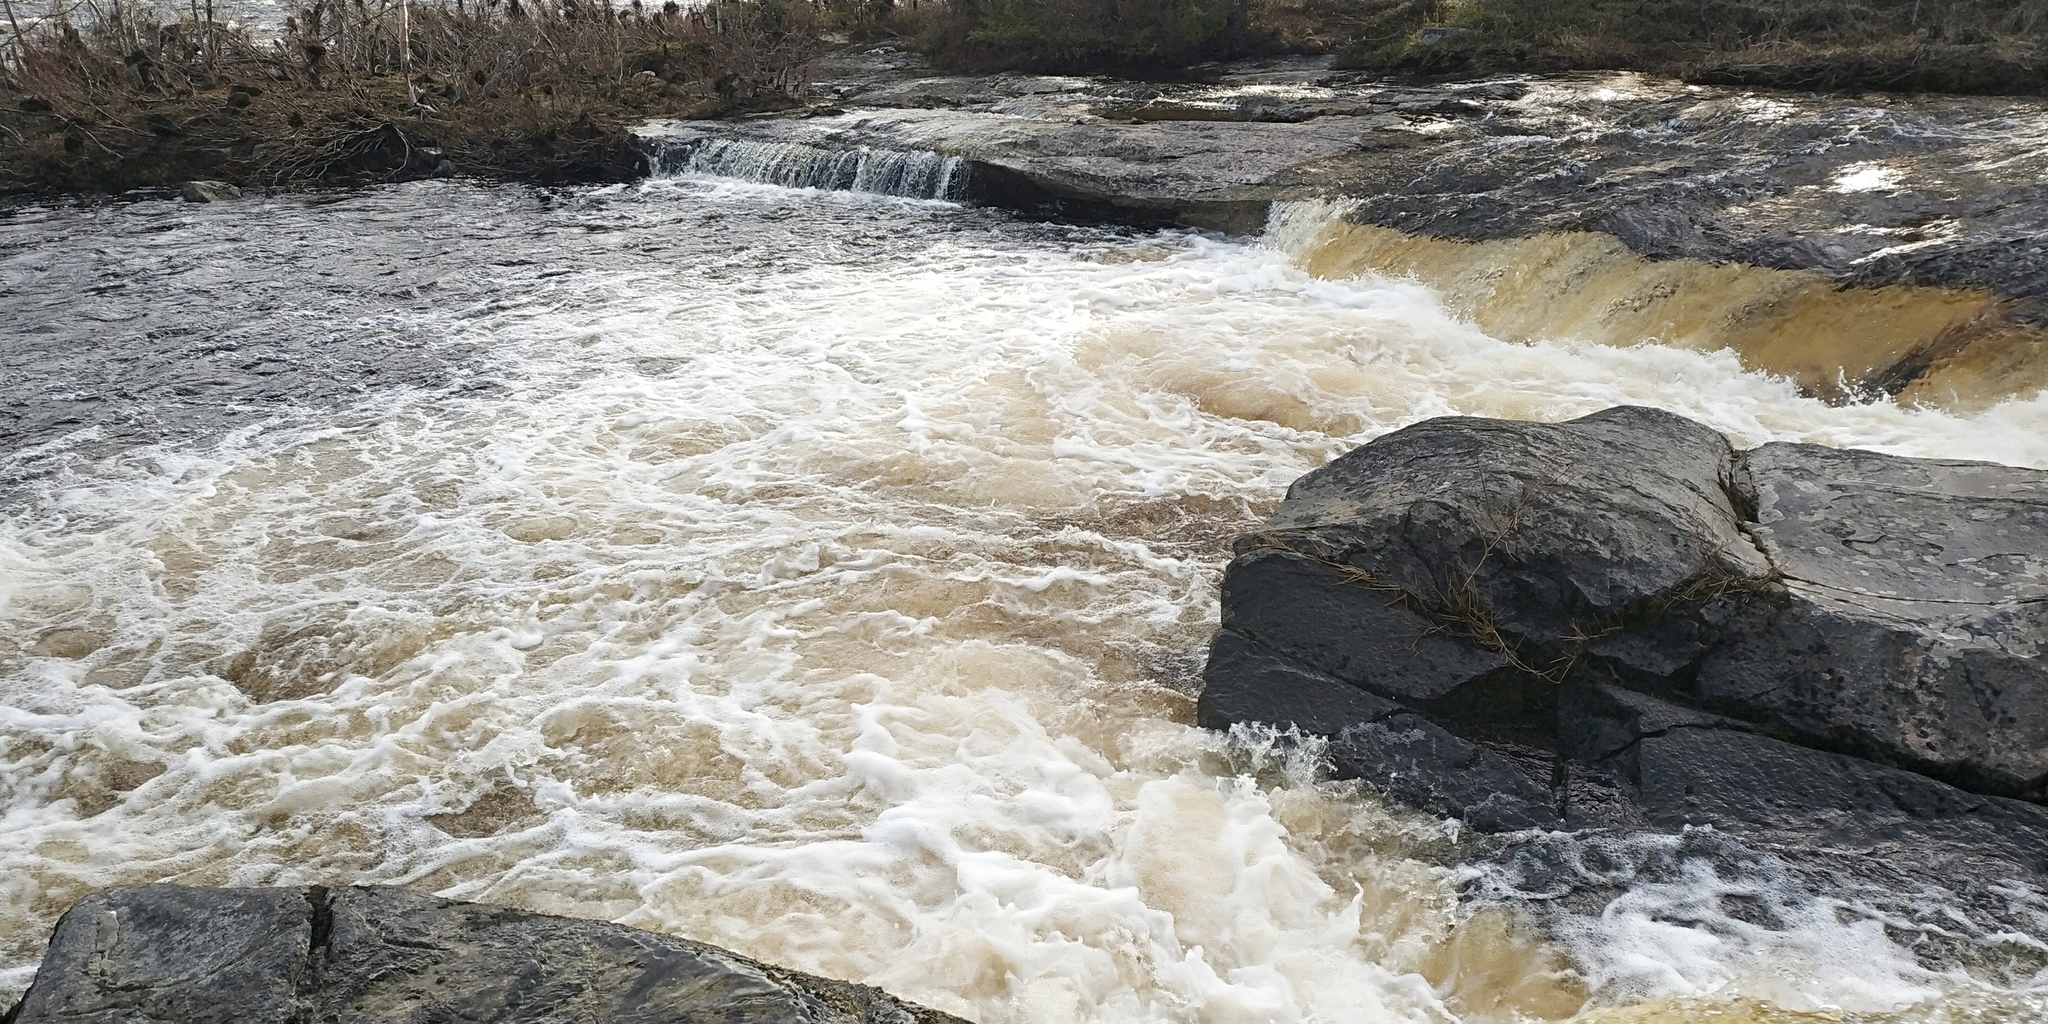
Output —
(1953, 348)
(914, 174)
(1295, 227)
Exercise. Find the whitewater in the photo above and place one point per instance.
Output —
(819, 574)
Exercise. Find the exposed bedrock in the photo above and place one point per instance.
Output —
(167, 954)
(1622, 623)
(1926, 190)
(1865, 246)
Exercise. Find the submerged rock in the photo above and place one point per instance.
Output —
(1623, 623)
(208, 191)
(166, 953)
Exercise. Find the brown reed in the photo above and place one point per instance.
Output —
(101, 96)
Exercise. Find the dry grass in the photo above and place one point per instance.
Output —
(1139, 38)
(1981, 46)
(1972, 46)
(99, 97)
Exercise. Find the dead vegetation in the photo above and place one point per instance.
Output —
(1958, 46)
(103, 97)
(1961, 46)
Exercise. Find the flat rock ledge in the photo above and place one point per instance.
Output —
(167, 954)
(1936, 191)
(1623, 625)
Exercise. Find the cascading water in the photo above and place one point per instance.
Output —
(817, 575)
(1952, 347)
(911, 174)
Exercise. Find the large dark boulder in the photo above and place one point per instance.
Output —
(166, 954)
(1623, 623)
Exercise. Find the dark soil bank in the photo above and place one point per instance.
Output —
(346, 95)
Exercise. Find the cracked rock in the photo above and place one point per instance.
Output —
(1623, 623)
(168, 954)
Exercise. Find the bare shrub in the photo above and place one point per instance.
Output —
(1983, 46)
(101, 96)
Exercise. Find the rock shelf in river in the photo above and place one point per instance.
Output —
(1875, 246)
(167, 953)
(1622, 623)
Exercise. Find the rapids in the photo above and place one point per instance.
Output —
(824, 575)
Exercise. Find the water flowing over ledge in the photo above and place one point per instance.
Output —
(1954, 348)
(911, 174)
(1898, 258)
(817, 574)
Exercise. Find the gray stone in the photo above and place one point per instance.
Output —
(1408, 757)
(1346, 627)
(1423, 765)
(208, 191)
(1670, 170)
(169, 953)
(1253, 684)
(1811, 648)
(165, 954)
(1788, 796)
(1539, 532)
(1915, 624)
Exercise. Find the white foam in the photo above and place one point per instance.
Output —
(1869, 176)
(1696, 920)
(912, 174)
(856, 640)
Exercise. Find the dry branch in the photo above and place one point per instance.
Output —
(106, 98)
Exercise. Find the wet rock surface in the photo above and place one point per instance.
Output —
(1217, 175)
(164, 953)
(208, 191)
(1620, 624)
(1870, 190)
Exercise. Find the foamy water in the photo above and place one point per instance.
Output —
(845, 611)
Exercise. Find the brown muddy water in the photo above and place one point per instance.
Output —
(819, 574)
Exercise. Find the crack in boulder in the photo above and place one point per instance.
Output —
(1605, 592)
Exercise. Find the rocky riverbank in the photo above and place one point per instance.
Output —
(374, 954)
(1621, 625)
(1881, 245)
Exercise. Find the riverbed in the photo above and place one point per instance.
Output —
(821, 574)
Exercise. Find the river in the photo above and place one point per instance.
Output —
(820, 574)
